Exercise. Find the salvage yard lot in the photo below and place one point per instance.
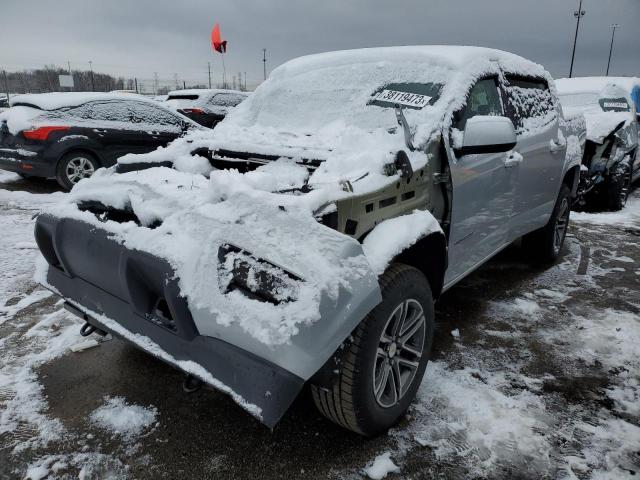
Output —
(534, 374)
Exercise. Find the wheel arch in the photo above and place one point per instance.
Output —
(81, 149)
(429, 255)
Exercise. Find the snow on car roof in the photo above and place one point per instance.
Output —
(593, 84)
(55, 100)
(453, 56)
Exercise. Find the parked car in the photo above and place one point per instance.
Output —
(610, 164)
(68, 136)
(208, 107)
(343, 198)
(4, 103)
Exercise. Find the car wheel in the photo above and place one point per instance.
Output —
(73, 167)
(545, 244)
(380, 367)
(619, 185)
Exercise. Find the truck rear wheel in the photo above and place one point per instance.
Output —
(545, 244)
(381, 367)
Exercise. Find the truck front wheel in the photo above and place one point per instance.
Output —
(379, 369)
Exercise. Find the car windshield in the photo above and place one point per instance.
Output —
(579, 100)
(361, 95)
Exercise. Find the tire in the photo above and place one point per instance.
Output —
(619, 185)
(350, 397)
(545, 244)
(73, 167)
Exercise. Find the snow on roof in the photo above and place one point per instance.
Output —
(452, 56)
(205, 91)
(594, 84)
(55, 100)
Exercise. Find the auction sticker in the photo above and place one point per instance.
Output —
(414, 100)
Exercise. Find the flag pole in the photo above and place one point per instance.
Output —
(224, 72)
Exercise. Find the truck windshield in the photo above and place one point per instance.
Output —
(361, 95)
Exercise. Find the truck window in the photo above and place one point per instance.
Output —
(483, 99)
(530, 104)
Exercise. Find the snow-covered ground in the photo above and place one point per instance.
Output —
(535, 373)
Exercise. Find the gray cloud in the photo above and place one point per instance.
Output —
(142, 37)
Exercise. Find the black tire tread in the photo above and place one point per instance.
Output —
(337, 404)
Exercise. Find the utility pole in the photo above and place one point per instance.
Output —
(175, 78)
(69, 64)
(135, 79)
(578, 14)
(93, 85)
(155, 83)
(245, 81)
(264, 61)
(209, 65)
(6, 84)
(613, 34)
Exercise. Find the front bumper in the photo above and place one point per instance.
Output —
(136, 296)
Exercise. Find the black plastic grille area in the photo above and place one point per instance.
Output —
(105, 213)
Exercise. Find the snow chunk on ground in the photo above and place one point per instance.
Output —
(121, 418)
(627, 217)
(381, 467)
(525, 306)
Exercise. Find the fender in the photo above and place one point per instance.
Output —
(415, 239)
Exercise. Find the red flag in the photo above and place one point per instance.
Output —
(218, 44)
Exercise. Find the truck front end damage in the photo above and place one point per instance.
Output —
(138, 297)
(247, 255)
(250, 291)
(607, 155)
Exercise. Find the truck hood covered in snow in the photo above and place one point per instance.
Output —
(327, 107)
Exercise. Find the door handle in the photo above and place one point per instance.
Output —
(100, 130)
(512, 159)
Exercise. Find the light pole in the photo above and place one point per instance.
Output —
(578, 14)
(613, 34)
(264, 62)
(93, 85)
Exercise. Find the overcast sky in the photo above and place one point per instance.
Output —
(138, 38)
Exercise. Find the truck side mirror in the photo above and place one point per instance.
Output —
(487, 134)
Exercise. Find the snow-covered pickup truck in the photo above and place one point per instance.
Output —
(609, 163)
(308, 236)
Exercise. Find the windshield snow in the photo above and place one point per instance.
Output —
(309, 101)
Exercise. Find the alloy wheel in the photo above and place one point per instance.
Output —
(78, 168)
(398, 354)
(561, 225)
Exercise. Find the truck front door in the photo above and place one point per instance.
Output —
(483, 190)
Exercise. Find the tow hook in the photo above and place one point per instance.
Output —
(87, 329)
(191, 384)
